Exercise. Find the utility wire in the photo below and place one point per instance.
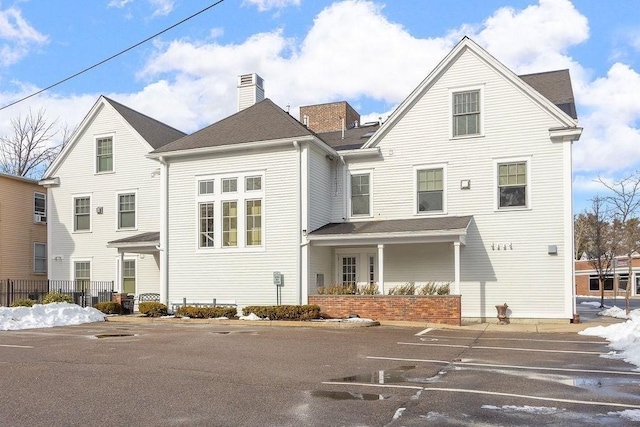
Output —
(112, 56)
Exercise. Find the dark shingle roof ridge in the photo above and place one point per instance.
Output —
(130, 115)
(544, 72)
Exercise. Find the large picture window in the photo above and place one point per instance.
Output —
(466, 113)
(512, 184)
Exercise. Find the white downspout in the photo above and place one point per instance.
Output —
(164, 232)
(298, 221)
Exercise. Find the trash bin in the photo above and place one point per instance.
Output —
(126, 301)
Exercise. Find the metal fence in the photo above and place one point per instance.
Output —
(85, 293)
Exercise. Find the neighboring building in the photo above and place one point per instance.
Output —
(23, 229)
(615, 284)
(101, 188)
(330, 117)
(468, 182)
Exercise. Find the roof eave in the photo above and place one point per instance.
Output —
(229, 147)
(431, 236)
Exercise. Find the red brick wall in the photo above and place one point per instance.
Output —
(584, 268)
(444, 309)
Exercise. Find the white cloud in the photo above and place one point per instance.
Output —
(118, 3)
(162, 7)
(18, 35)
(264, 5)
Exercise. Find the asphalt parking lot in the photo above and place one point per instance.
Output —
(159, 374)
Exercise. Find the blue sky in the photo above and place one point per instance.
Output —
(370, 53)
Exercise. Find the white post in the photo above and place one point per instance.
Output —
(381, 268)
(121, 278)
(456, 268)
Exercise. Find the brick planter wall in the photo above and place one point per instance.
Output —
(443, 309)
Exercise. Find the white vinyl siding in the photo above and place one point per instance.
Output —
(78, 178)
(423, 136)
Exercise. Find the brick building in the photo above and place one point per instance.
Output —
(587, 282)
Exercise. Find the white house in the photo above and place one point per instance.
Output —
(102, 188)
(468, 182)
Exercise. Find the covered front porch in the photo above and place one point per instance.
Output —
(138, 264)
(388, 253)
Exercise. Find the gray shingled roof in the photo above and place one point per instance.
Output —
(394, 226)
(153, 131)
(556, 87)
(148, 238)
(262, 121)
(353, 138)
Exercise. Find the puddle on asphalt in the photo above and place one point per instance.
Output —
(221, 332)
(348, 395)
(114, 335)
(394, 376)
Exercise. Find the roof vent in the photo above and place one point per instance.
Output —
(250, 90)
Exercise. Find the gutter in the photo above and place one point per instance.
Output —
(296, 145)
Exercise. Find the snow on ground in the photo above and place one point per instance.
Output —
(47, 316)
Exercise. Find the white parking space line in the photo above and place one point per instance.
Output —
(501, 348)
(16, 346)
(525, 396)
(492, 365)
(515, 339)
(410, 387)
(425, 331)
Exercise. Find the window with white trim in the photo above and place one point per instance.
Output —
(104, 154)
(39, 207)
(82, 213)
(206, 225)
(230, 224)
(512, 184)
(430, 190)
(82, 274)
(39, 258)
(231, 211)
(129, 276)
(466, 113)
(360, 194)
(126, 211)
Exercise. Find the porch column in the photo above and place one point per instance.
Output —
(381, 268)
(456, 268)
(121, 278)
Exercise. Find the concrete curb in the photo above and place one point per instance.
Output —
(335, 324)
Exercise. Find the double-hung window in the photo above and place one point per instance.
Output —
(466, 113)
(206, 225)
(230, 223)
(39, 208)
(82, 274)
(129, 276)
(512, 184)
(361, 194)
(430, 190)
(104, 154)
(82, 213)
(39, 258)
(126, 211)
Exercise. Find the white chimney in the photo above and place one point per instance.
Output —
(250, 90)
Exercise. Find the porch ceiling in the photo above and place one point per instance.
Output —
(399, 231)
(140, 243)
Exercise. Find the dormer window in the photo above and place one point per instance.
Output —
(466, 113)
(104, 155)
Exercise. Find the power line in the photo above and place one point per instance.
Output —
(112, 56)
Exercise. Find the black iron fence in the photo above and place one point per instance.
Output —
(85, 293)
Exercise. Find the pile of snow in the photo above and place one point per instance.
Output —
(252, 316)
(47, 316)
(624, 337)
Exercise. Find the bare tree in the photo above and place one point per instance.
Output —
(580, 230)
(32, 145)
(599, 241)
(625, 204)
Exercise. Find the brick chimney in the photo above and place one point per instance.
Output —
(329, 117)
(250, 90)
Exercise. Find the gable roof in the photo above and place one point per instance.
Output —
(153, 131)
(263, 121)
(541, 81)
(556, 87)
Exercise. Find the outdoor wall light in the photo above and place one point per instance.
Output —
(465, 184)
